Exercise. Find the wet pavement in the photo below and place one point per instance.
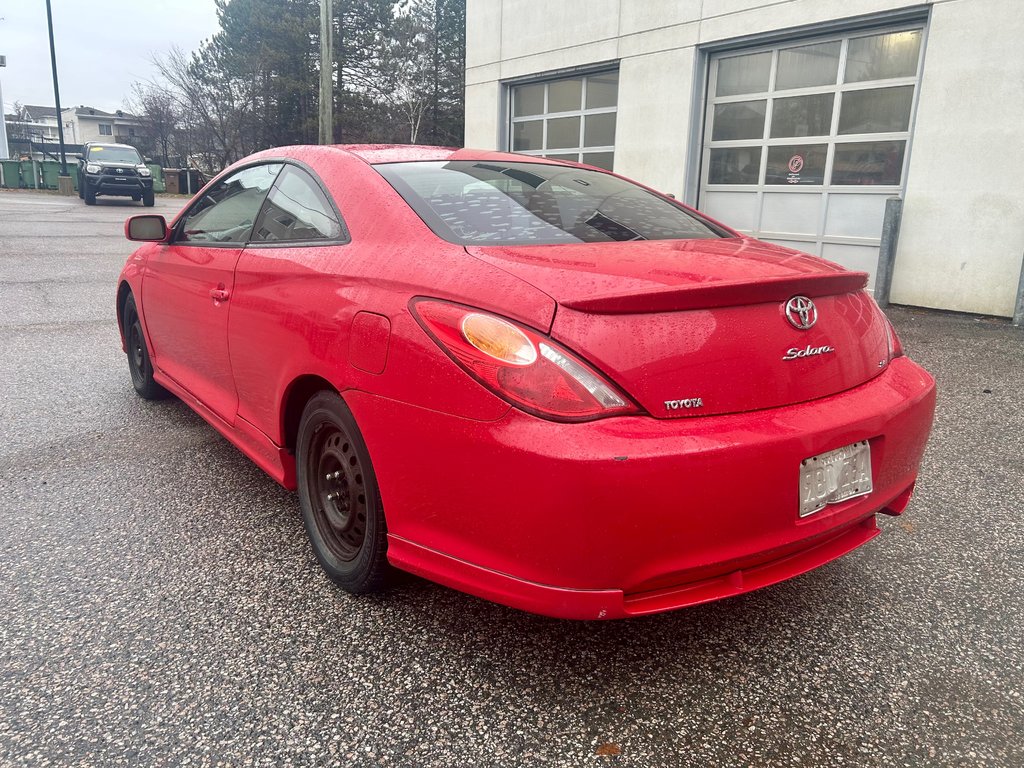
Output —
(159, 604)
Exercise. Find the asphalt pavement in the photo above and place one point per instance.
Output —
(160, 606)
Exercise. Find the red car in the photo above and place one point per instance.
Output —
(530, 380)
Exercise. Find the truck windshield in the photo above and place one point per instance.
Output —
(512, 203)
(114, 155)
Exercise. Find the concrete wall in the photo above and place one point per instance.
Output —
(962, 237)
(963, 230)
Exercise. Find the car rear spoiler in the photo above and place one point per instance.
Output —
(722, 294)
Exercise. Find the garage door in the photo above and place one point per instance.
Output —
(803, 143)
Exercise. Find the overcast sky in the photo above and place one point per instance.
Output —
(102, 48)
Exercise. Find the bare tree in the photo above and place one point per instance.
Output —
(404, 75)
(18, 130)
(218, 107)
(158, 112)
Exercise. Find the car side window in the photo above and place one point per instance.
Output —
(226, 213)
(297, 210)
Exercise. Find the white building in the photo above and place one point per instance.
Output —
(792, 120)
(82, 124)
(33, 122)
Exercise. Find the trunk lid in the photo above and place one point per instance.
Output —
(700, 327)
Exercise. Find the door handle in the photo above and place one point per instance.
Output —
(219, 294)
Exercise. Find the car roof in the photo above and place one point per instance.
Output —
(105, 144)
(404, 153)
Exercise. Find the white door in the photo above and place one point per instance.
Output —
(803, 143)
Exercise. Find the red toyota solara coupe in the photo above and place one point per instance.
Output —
(530, 380)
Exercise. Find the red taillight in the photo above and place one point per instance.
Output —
(895, 345)
(891, 337)
(518, 364)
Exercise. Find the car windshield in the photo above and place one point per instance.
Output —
(503, 203)
(114, 155)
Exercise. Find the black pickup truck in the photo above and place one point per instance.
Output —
(113, 169)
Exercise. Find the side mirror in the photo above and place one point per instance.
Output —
(148, 228)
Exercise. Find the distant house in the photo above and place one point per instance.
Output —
(32, 122)
(32, 131)
(83, 124)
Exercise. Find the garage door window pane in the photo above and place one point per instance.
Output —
(736, 165)
(883, 56)
(878, 110)
(868, 163)
(563, 132)
(802, 115)
(808, 65)
(743, 74)
(796, 164)
(528, 100)
(571, 156)
(739, 120)
(528, 135)
(599, 159)
(599, 130)
(565, 95)
(603, 90)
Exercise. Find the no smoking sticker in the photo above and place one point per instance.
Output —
(796, 163)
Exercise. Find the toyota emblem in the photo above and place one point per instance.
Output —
(801, 313)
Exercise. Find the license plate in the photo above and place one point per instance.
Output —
(836, 476)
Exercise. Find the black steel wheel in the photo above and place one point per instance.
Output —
(139, 364)
(340, 500)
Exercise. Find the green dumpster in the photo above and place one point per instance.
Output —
(29, 180)
(158, 178)
(50, 173)
(12, 173)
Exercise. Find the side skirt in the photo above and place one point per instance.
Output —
(268, 456)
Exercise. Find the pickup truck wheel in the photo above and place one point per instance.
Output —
(148, 199)
(90, 194)
(80, 185)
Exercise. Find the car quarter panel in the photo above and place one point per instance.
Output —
(293, 306)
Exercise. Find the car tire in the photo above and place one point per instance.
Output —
(139, 364)
(90, 194)
(80, 183)
(136, 198)
(339, 496)
(148, 198)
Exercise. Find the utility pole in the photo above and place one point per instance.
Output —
(65, 188)
(326, 72)
(4, 151)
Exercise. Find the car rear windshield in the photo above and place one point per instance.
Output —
(114, 155)
(500, 203)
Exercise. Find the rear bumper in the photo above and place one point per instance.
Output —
(614, 603)
(634, 515)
